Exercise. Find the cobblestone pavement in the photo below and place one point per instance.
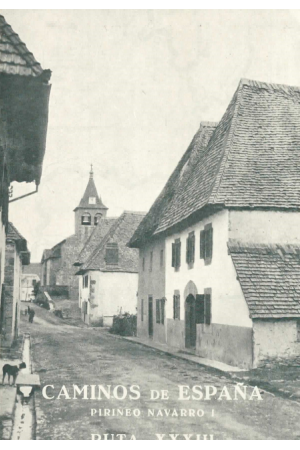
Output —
(69, 355)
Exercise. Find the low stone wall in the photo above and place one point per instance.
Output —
(275, 339)
(226, 343)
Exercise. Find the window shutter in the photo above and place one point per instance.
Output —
(192, 248)
(178, 307)
(207, 309)
(173, 254)
(199, 313)
(162, 303)
(202, 244)
(179, 254)
(209, 243)
(188, 250)
(157, 311)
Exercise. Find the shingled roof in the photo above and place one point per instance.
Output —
(91, 191)
(270, 278)
(21, 243)
(119, 233)
(94, 239)
(15, 58)
(252, 160)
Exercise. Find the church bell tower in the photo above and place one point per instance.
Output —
(89, 211)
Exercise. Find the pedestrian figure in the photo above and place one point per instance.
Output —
(28, 310)
(31, 315)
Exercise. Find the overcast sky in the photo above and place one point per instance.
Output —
(129, 90)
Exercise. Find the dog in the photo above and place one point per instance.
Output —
(12, 371)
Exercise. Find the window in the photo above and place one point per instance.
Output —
(190, 248)
(86, 219)
(157, 311)
(176, 305)
(176, 254)
(97, 218)
(203, 307)
(92, 200)
(85, 281)
(142, 310)
(143, 264)
(161, 258)
(112, 253)
(298, 330)
(151, 261)
(206, 243)
(160, 311)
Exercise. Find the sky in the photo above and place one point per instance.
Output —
(129, 90)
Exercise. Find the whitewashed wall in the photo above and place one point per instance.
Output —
(228, 304)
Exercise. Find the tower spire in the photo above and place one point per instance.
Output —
(91, 172)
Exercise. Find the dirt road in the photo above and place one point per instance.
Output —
(69, 355)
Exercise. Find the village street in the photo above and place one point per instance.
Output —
(68, 354)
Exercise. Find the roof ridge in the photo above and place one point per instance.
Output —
(265, 85)
(222, 166)
(138, 213)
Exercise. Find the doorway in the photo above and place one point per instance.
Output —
(190, 321)
(150, 316)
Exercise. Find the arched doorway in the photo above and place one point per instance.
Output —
(190, 321)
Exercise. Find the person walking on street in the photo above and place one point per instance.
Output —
(31, 315)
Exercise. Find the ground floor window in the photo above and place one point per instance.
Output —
(203, 307)
(176, 305)
(160, 311)
(142, 310)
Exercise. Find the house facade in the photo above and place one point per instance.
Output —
(229, 222)
(58, 262)
(31, 275)
(108, 274)
(24, 99)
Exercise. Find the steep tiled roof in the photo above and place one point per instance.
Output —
(21, 243)
(270, 278)
(119, 233)
(15, 58)
(13, 233)
(95, 238)
(33, 269)
(91, 191)
(252, 160)
(172, 192)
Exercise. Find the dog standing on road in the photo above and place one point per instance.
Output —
(12, 371)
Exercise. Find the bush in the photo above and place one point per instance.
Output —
(124, 325)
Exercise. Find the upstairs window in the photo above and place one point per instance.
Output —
(85, 281)
(298, 330)
(112, 254)
(143, 264)
(190, 248)
(151, 262)
(176, 254)
(97, 218)
(176, 305)
(206, 243)
(86, 219)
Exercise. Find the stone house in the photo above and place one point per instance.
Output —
(24, 99)
(16, 256)
(108, 274)
(219, 248)
(58, 262)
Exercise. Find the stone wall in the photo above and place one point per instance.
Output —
(275, 338)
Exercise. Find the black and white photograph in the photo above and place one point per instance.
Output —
(149, 224)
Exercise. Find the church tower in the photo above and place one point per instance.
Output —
(89, 211)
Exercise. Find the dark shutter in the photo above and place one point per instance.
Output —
(178, 254)
(162, 303)
(188, 250)
(199, 313)
(207, 309)
(178, 307)
(142, 310)
(173, 254)
(202, 244)
(157, 311)
(174, 306)
(209, 243)
(192, 251)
